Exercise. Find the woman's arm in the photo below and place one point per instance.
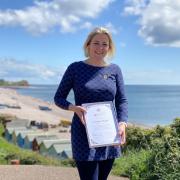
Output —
(64, 88)
(121, 105)
(62, 92)
(121, 102)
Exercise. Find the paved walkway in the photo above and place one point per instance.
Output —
(38, 172)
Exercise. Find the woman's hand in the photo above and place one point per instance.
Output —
(79, 110)
(122, 132)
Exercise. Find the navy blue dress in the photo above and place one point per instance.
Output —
(92, 84)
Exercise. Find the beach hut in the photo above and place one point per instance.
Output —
(9, 131)
(38, 140)
(21, 136)
(15, 124)
(58, 150)
(66, 154)
(30, 137)
(46, 144)
(15, 133)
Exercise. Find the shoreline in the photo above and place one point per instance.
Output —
(30, 108)
(27, 107)
(14, 87)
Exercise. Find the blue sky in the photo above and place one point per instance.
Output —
(39, 39)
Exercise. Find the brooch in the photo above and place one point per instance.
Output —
(105, 76)
(108, 76)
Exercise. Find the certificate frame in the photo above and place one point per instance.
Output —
(101, 124)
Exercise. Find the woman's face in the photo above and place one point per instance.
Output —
(99, 46)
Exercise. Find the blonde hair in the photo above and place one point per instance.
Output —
(99, 30)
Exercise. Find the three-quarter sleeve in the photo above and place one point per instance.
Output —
(64, 88)
(121, 102)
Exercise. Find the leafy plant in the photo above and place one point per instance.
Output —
(133, 164)
(68, 162)
(10, 156)
(29, 160)
(138, 138)
(164, 163)
(175, 126)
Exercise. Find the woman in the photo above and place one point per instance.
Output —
(93, 80)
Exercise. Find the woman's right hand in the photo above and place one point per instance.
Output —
(79, 110)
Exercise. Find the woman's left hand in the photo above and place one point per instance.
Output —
(122, 132)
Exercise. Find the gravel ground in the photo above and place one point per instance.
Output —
(37, 172)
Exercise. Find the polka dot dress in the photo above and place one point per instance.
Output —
(92, 84)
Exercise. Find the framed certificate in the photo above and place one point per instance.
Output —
(101, 124)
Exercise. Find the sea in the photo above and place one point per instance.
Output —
(148, 105)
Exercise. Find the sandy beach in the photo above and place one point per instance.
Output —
(29, 108)
(26, 107)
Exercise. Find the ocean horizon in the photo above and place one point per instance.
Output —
(148, 104)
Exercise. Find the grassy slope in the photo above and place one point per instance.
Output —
(7, 148)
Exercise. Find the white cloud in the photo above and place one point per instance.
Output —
(12, 69)
(159, 20)
(111, 28)
(135, 7)
(86, 25)
(45, 15)
(153, 76)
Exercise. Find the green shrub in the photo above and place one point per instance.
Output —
(1, 129)
(159, 132)
(164, 163)
(29, 160)
(175, 126)
(133, 164)
(152, 154)
(68, 162)
(138, 138)
(10, 156)
(2, 157)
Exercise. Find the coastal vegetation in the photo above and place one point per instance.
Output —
(12, 83)
(152, 154)
(9, 151)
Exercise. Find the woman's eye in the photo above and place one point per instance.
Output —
(97, 44)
